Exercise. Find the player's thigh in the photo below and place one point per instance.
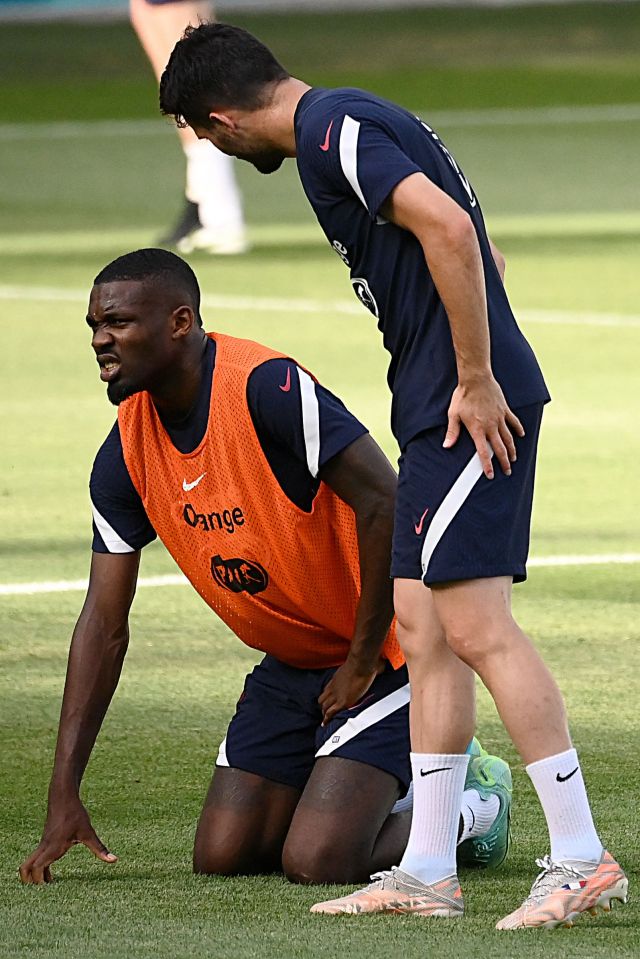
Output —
(243, 824)
(362, 766)
(262, 767)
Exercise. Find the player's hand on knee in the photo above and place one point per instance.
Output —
(63, 829)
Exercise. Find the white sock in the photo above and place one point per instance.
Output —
(562, 794)
(478, 814)
(438, 784)
(211, 183)
(404, 804)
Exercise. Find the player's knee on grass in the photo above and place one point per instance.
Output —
(218, 859)
(243, 825)
(318, 861)
(233, 860)
(239, 842)
(228, 845)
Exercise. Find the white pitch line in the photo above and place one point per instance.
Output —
(93, 129)
(523, 116)
(177, 579)
(78, 585)
(504, 226)
(298, 306)
(85, 241)
(263, 304)
(534, 116)
(597, 559)
(575, 318)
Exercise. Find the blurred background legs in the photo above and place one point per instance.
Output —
(212, 218)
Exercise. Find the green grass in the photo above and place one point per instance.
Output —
(146, 782)
(562, 202)
(432, 57)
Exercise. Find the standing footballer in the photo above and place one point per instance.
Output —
(468, 397)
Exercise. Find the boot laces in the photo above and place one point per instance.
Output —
(385, 879)
(553, 874)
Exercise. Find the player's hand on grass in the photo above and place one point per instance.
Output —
(347, 686)
(479, 405)
(65, 827)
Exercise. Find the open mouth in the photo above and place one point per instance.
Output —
(109, 368)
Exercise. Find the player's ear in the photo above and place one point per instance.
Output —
(183, 320)
(224, 120)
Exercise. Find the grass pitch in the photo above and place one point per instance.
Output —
(560, 195)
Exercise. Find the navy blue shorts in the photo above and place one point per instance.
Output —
(451, 522)
(276, 731)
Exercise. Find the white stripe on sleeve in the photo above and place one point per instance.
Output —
(449, 506)
(349, 155)
(113, 542)
(368, 717)
(310, 420)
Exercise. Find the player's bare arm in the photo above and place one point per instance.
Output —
(362, 476)
(498, 259)
(96, 655)
(452, 252)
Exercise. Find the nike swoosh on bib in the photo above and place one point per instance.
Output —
(188, 486)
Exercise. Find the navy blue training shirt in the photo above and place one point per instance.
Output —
(120, 523)
(352, 150)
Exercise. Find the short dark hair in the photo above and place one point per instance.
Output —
(215, 66)
(152, 262)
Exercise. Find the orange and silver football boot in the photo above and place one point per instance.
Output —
(397, 891)
(563, 890)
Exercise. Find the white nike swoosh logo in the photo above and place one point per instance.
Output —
(187, 486)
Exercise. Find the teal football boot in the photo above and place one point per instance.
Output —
(490, 776)
(475, 749)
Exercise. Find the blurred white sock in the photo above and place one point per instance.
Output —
(211, 183)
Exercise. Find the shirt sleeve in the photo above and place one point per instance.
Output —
(120, 523)
(293, 412)
(372, 162)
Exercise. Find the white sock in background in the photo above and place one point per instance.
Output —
(405, 804)
(561, 790)
(438, 784)
(478, 814)
(211, 183)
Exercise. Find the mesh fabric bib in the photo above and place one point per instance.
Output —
(285, 581)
